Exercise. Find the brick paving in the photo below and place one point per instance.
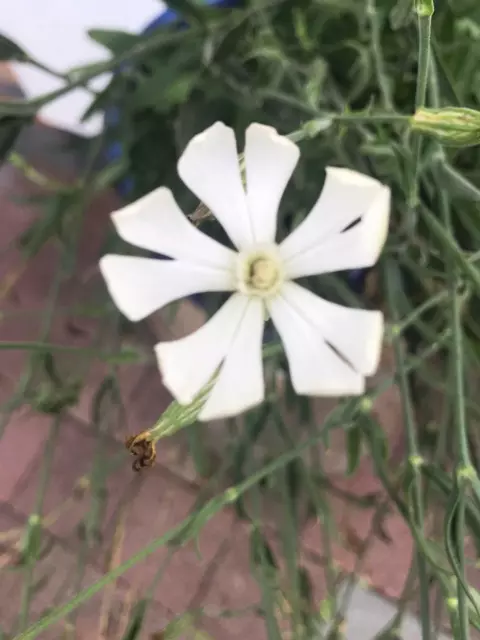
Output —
(126, 508)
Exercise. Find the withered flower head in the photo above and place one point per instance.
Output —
(143, 448)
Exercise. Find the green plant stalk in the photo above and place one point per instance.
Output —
(461, 185)
(196, 446)
(290, 531)
(413, 452)
(382, 76)
(465, 471)
(46, 469)
(464, 468)
(362, 117)
(322, 506)
(463, 615)
(457, 350)
(451, 247)
(424, 36)
(35, 520)
(269, 588)
(32, 174)
(436, 300)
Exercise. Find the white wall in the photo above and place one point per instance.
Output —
(54, 32)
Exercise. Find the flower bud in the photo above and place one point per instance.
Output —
(424, 8)
(452, 126)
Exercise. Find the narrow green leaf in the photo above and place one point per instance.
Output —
(306, 587)
(457, 184)
(48, 225)
(198, 450)
(188, 10)
(10, 129)
(452, 549)
(115, 41)
(136, 620)
(127, 355)
(401, 14)
(294, 480)
(108, 394)
(176, 628)
(32, 540)
(261, 554)
(354, 449)
(111, 174)
(9, 50)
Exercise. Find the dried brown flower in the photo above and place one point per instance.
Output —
(142, 447)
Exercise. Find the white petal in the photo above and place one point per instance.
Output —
(346, 196)
(155, 222)
(209, 167)
(356, 334)
(140, 286)
(240, 385)
(356, 248)
(315, 368)
(189, 363)
(269, 163)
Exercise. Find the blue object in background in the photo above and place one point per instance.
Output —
(356, 279)
(112, 114)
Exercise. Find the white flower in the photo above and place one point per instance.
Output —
(330, 348)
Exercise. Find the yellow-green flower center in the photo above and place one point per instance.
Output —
(260, 272)
(263, 274)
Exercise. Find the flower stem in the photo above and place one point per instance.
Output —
(382, 76)
(465, 473)
(424, 11)
(371, 118)
(424, 36)
(459, 415)
(413, 449)
(325, 120)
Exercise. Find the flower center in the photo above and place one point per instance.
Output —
(263, 274)
(260, 272)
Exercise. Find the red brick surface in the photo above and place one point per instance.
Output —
(21, 444)
(143, 507)
(233, 588)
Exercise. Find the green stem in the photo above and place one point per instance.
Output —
(424, 35)
(435, 300)
(34, 522)
(451, 247)
(413, 451)
(382, 76)
(459, 413)
(198, 451)
(371, 118)
(463, 617)
(313, 127)
(354, 118)
(464, 468)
